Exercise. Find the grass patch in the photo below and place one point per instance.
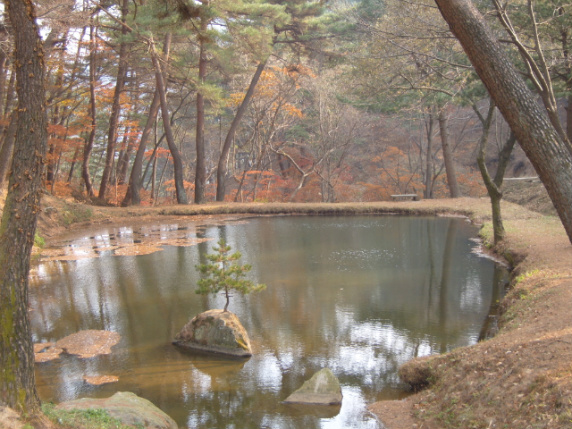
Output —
(83, 419)
(486, 234)
(39, 241)
(76, 213)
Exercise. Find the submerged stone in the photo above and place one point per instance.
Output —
(322, 389)
(127, 407)
(89, 343)
(215, 331)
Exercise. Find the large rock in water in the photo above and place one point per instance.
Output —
(127, 407)
(215, 331)
(322, 389)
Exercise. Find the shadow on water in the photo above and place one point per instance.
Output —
(360, 295)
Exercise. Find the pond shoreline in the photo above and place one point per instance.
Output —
(519, 377)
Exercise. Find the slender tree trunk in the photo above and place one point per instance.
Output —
(221, 170)
(58, 114)
(115, 107)
(549, 154)
(494, 190)
(454, 190)
(200, 172)
(18, 226)
(88, 148)
(123, 161)
(429, 160)
(239, 189)
(177, 160)
(74, 161)
(133, 195)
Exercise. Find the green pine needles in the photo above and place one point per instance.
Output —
(222, 273)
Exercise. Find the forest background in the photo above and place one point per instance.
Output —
(164, 101)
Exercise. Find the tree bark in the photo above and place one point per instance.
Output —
(550, 155)
(221, 170)
(18, 226)
(7, 150)
(569, 116)
(7, 135)
(454, 190)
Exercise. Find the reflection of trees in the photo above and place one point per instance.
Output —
(444, 284)
(414, 311)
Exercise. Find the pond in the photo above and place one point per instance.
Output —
(360, 295)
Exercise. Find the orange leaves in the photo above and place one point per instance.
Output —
(396, 174)
(235, 99)
(472, 184)
(296, 71)
(375, 192)
(159, 153)
(61, 189)
(63, 142)
(170, 185)
(57, 129)
(275, 89)
(292, 110)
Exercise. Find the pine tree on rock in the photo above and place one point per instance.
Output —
(223, 273)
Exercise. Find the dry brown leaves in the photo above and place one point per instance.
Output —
(98, 380)
(89, 343)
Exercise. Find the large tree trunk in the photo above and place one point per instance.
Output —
(454, 190)
(115, 107)
(549, 154)
(17, 230)
(222, 162)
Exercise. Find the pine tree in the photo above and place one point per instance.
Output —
(224, 274)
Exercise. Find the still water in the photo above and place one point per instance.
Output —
(360, 295)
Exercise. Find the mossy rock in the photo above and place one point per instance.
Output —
(126, 407)
(215, 331)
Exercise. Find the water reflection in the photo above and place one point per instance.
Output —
(360, 295)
